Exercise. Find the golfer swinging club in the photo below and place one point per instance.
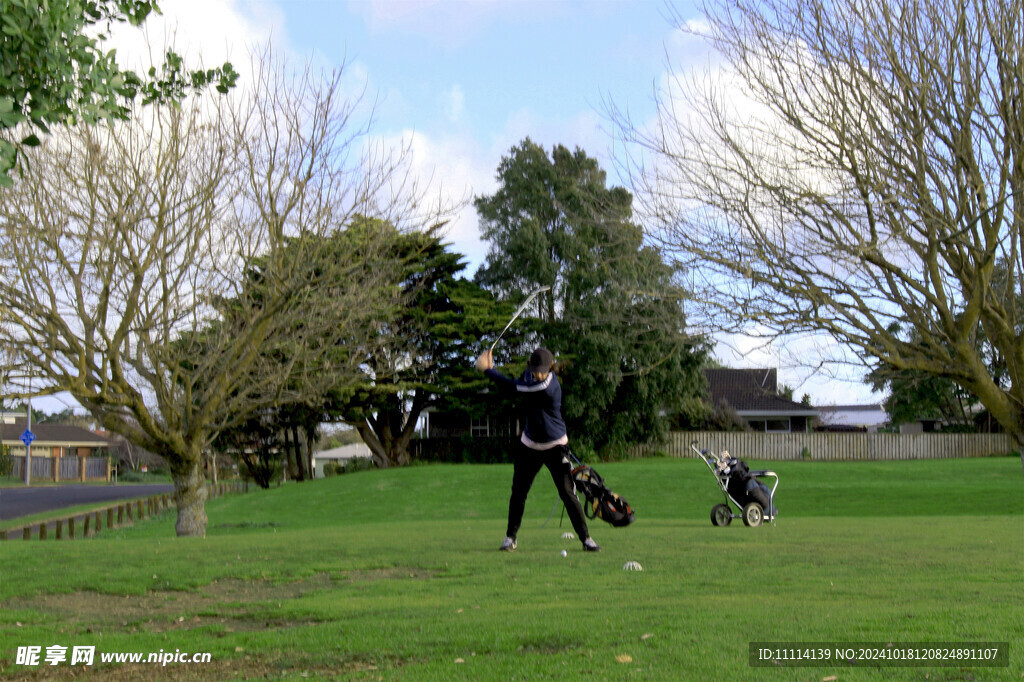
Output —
(544, 442)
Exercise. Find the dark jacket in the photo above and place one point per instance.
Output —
(542, 401)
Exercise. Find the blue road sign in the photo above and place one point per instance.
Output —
(27, 437)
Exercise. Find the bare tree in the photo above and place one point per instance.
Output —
(851, 168)
(127, 258)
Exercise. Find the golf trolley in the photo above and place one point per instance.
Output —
(755, 500)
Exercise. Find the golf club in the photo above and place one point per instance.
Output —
(533, 295)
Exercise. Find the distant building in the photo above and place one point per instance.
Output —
(51, 440)
(340, 455)
(754, 395)
(867, 418)
(437, 423)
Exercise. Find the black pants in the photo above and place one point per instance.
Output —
(526, 464)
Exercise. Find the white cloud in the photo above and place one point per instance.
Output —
(451, 169)
(213, 31)
(454, 104)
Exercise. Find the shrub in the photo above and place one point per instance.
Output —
(6, 461)
(348, 466)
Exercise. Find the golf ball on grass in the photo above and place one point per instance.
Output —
(564, 553)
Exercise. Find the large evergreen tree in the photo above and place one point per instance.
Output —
(614, 314)
(423, 354)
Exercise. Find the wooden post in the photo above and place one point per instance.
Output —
(128, 510)
(42, 530)
(26, 533)
(60, 528)
(97, 524)
(56, 467)
(3, 534)
(120, 514)
(109, 472)
(81, 468)
(139, 509)
(110, 517)
(71, 528)
(85, 530)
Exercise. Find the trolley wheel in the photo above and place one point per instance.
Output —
(720, 515)
(753, 515)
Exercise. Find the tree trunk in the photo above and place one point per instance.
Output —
(190, 497)
(388, 433)
(1003, 406)
(299, 461)
(378, 452)
(1018, 439)
(289, 458)
(310, 444)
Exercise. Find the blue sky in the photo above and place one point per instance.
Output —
(465, 80)
(506, 63)
(469, 79)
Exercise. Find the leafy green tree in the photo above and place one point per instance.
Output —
(54, 70)
(614, 313)
(413, 351)
(6, 461)
(915, 395)
(350, 284)
(424, 354)
(256, 443)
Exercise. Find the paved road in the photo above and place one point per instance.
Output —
(16, 502)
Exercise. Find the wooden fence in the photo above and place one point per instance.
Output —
(68, 468)
(831, 447)
(114, 515)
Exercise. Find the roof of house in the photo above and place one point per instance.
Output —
(856, 415)
(852, 408)
(63, 435)
(351, 451)
(752, 392)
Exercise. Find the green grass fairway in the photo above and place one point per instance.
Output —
(395, 575)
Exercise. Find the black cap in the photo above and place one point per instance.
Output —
(541, 361)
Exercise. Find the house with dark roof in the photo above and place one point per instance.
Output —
(754, 395)
(51, 440)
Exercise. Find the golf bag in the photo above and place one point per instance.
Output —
(745, 488)
(601, 503)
